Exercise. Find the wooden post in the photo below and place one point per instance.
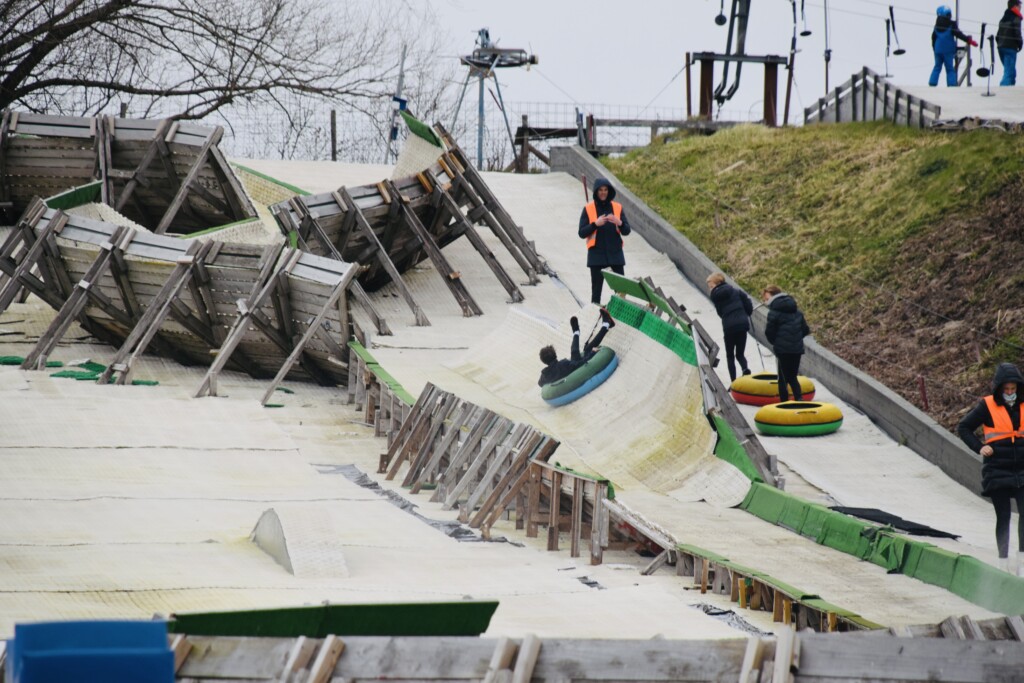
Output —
(689, 105)
(707, 83)
(523, 164)
(771, 83)
(334, 135)
(789, 88)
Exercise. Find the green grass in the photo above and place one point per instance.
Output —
(817, 210)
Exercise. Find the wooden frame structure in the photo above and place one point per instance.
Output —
(168, 176)
(473, 459)
(271, 312)
(389, 227)
(789, 657)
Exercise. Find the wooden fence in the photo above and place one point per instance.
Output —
(867, 96)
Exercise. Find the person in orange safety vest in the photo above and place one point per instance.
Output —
(1002, 451)
(603, 224)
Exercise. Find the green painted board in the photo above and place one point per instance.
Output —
(76, 196)
(464, 618)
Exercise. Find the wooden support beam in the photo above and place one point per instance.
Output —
(36, 358)
(186, 183)
(599, 524)
(105, 158)
(480, 212)
(262, 288)
(139, 174)
(429, 442)
(541, 452)
(424, 404)
(419, 429)
(326, 659)
(464, 454)
(344, 199)
(445, 205)
(236, 195)
(457, 155)
(338, 291)
(463, 416)
(21, 275)
(498, 433)
(451, 277)
(522, 438)
(148, 326)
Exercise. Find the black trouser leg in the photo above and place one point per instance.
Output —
(735, 345)
(596, 341)
(574, 350)
(789, 368)
(1001, 503)
(596, 284)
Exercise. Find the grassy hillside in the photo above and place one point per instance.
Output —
(903, 247)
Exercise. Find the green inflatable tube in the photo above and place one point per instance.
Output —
(579, 377)
(799, 430)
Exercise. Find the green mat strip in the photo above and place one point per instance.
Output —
(464, 618)
(421, 129)
(90, 372)
(76, 196)
(18, 360)
(587, 475)
(729, 449)
(962, 575)
(673, 338)
(798, 595)
(381, 374)
(638, 289)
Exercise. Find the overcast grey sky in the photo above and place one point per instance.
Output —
(628, 52)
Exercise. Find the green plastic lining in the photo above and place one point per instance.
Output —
(89, 371)
(638, 289)
(587, 475)
(729, 449)
(962, 575)
(279, 183)
(381, 374)
(676, 340)
(18, 360)
(421, 129)
(464, 618)
(76, 196)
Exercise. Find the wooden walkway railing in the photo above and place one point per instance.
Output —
(867, 96)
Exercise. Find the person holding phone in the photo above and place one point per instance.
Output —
(603, 224)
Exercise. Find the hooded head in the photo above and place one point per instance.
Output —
(944, 11)
(1010, 4)
(1006, 372)
(603, 182)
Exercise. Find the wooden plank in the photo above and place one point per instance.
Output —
(187, 182)
(326, 659)
(481, 427)
(950, 628)
(345, 199)
(576, 526)
(841, 658)
(465, 416)
(521, 434)
(36, 358)
(504, 651)
(526, 660)
(497, 434)
(298, 658)
(1016, 626)
(446, 204)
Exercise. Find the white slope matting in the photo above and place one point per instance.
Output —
(122, 502)
(644, 428)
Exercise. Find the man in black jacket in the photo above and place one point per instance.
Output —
(1002, 451)
(785, 331)
(603, 224)
(555, 369)
(1009, 41)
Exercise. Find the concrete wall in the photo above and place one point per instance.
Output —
(895, 416)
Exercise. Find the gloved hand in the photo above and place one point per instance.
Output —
(972, 41)
(574, 324)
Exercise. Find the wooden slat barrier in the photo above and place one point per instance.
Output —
(472, 458)
(867, 96)
(790, 656)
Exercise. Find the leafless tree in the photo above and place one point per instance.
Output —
(191, 58)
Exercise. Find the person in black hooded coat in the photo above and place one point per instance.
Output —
(734, 308)
(1002, 450)
(603, 224)
(785, 331)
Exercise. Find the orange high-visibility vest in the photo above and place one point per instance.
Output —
(592, 217)
(1002, 425)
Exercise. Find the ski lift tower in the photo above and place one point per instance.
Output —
(486, 58)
